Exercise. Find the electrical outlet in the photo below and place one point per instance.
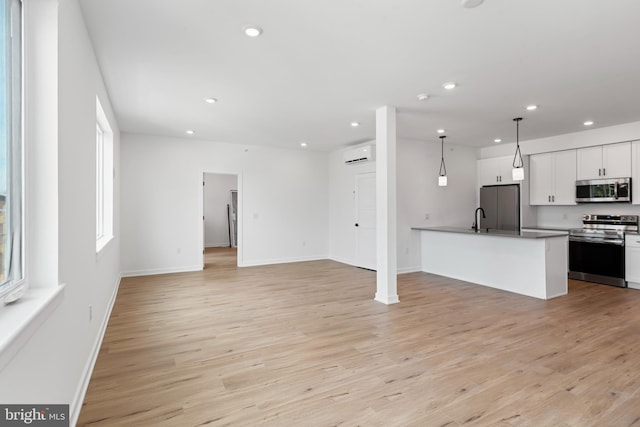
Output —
(427, 216)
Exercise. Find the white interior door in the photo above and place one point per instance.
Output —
(365, 220)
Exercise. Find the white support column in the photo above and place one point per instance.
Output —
(387, 263)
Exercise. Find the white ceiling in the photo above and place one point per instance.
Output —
(321, 64)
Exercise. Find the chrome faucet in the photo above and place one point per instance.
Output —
(476, 220)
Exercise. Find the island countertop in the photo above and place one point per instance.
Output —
(493, 232)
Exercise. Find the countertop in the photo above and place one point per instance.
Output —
(560, 229)
(493, 232)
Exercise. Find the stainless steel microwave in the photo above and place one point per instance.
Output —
(604, 190)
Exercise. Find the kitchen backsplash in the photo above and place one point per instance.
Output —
(571, 216)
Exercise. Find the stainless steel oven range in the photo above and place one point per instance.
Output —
(596, 251)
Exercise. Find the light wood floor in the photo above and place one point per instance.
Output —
(305, 344)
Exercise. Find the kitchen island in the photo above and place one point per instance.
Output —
(527, 263)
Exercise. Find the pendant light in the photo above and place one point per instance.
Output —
(442, 176)
(518, 166)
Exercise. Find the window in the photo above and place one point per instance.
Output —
(104, 179)
(11, 170)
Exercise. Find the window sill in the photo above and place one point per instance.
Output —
(102, 243)
(20, 319)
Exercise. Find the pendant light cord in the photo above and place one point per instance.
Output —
(517, 157)
(442, 165)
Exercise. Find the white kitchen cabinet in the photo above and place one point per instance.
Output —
(552, 178)
(635, 172)
(632, 260)
(495, 171)
(604, 161)
(541, 183)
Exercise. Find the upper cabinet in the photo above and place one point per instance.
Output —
(605, 161)
(495, 171)
(553, 178)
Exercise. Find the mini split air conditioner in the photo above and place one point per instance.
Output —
(360, 154)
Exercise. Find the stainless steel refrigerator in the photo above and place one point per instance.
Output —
(501, 204)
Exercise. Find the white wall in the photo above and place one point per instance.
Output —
(418, 194)
(53, 366)
(283, 201)
(217, 195)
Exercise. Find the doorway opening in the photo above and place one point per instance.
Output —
(220, 220)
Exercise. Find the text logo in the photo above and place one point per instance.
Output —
(34, 415)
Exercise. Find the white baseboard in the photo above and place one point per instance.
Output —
(406, 270)
(217, 245)
(283, 260)
(154, 271)
(387, 299)
(341, 260)
(78, 399)
(399, 271)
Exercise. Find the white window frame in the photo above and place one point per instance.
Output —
(14, 285)
(99, 182)
(104, 179)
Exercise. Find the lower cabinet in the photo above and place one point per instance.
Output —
(632, 260)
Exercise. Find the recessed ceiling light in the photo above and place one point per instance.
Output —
(252, 30)
(210, 100)
(588, 123)
(532, 107)
(423, 96)
(190, 132)
(449, 85)
(497, 140)
(440, 131)
(355, 124)
(303, 144)
(471, 3)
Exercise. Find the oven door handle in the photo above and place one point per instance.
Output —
(615, 191)
(616, 242)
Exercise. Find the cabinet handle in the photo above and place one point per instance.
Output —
(604, 172)
(553, 199)
(549, 199)
(599, 172)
